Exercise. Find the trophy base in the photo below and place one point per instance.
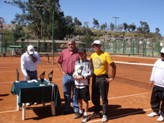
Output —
(42, 85)
(50, 83)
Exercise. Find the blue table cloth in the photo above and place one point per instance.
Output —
(33, 92)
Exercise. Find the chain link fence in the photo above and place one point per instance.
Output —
(145, 48)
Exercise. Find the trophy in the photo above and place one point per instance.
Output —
(42, 75)
(17, 75)
(50, 75)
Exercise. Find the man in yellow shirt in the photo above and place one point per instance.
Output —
(101, 79)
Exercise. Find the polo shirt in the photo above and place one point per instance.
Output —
(100, 62)
(67, 60)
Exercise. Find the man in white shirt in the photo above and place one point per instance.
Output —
(29, 61)
(157, 81)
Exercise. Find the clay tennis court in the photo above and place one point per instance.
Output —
(129, 93)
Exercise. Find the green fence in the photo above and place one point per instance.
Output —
(145, 48)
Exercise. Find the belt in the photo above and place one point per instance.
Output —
(99, 76)
(30, 71)
(69, 74)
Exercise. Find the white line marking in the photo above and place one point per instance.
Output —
(9, 82)
(1, 112)
(142, 64)
(99, 120)
(128, 95)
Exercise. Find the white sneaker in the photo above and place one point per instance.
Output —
(152, 114)
(85, 119)
(104, 118)
(160, 118)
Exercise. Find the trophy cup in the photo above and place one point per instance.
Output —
(17, 75)
(42, 75)
(50, 77)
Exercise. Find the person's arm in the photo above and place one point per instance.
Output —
(151, 83)
(36, 58)
(60, 67)
(60, 60)
(23, 68)
(113, 66)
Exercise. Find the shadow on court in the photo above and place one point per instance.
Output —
(2, 95)
(116, 111)
(44, 112)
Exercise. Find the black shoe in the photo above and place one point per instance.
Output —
(78, 115)
(95, 115)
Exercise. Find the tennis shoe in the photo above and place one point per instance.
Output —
(152, 114)
(160, 118)
(85, 119)
(78, 115)
(104, 118)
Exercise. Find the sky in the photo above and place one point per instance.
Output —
(128, 11)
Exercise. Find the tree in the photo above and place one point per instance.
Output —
(144, 28)
(158, 35)
(37, 15)
(69, 26)
(111, 27)
(131, 27)
(103, 26)
(125, 27)
(95, 23)
(77, 22)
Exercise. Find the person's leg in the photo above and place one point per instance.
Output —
(86, 98)
(104, 86)
(155, 99)
(80, 105)
(162, 102)
(74, 100)
(95, 95)
(32, 75)
(67, 93)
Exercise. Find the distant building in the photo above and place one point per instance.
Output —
(39, 44)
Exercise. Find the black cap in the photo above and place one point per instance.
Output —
(81, 50)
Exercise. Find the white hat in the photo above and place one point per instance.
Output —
(162, 50)
(96, 42)
(30, 49)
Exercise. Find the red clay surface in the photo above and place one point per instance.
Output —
(129, 93)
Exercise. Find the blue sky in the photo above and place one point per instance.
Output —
(129, 11)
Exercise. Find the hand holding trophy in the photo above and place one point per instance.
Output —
(42, 75)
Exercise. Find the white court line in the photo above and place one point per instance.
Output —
(118, 97)
(90, 101)
(142, 64)
(99, 120)
(9, 82)
(129, 95)
(1, 112)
